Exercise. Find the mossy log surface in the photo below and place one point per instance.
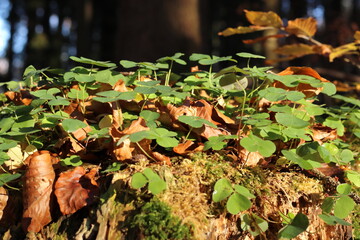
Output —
(185, 210)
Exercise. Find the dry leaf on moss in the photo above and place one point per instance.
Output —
(38, 181)
(76, 189)
(188, 147)
(250, 159)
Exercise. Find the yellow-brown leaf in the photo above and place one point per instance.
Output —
(240, 30)
(349, 48)
(296, 50)
(265, 19)
(357, 35)
(302, 26)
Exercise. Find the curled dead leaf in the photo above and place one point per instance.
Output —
(75, 189)
(323, 133)
(125, 149)
(250, 159)
(302, 26)
(3, 201)
(188, 147)
(38, 182)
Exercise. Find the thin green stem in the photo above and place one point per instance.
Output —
(188, 134)
(167, 80)
(210, 77)
(145, 153)
(13, 188)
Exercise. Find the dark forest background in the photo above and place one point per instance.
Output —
(46, 32)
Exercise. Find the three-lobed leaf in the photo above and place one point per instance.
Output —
(222, 190)
(298, 225)
(253, 143)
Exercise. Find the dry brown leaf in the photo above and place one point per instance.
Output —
(3, 201)
(200, 109)
(74, 111)
(38, 181)
(219, 116)
(323, 133)
(23, 97)
(188, 147)
(127, 149)
(250, 159)
(307, 89)
(261, 39)
(76, 189)
(81, 133)
(302, 26)
(265, 19)
(161, 158)
(120, 86)
(117, 118)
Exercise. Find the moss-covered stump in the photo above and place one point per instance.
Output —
(186, 211)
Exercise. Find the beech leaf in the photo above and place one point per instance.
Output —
(302, 26)
(76, 189)
(39, 178)
(265, 19)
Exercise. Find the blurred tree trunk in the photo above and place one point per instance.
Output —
(148, 30)
(10, 52)
(272, 43)
(85, 11)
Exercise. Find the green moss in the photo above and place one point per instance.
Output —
(156, 222)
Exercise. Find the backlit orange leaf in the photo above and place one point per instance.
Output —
(38, 182)
(240, 30)
(265, 19)
(302, 26)
(75, 189)
(296, 50)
